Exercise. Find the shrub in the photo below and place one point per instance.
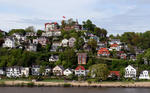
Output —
(66, 85)
(31, 84)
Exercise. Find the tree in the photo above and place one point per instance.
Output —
(79, 43)
(63, 24)
(42, 70)
(1, 35)
(93, 44)
(68, 58)
(20, 31)
(99, 71)
(30, 29)
(39, 33)
(88, 25)
(90, 62)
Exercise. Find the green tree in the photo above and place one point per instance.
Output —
(42, 70)
(39, 32)
(93, 44)
(99, 71)
(30, 29)
(88, 25)
(20, 31)
(79, 43)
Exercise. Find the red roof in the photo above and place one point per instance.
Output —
(80, 68)
(114, 45)
(117, 73)
(103, 51)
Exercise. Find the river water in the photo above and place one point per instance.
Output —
(71, 90)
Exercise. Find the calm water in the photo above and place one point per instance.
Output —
(72, 90)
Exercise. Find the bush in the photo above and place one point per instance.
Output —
(92, 81)
(66, 85)
(31, 84)
(2, 84)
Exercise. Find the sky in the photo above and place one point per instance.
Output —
(116, 16)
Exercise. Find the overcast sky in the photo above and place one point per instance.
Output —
(117, 16)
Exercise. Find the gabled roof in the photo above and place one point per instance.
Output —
(69, 69)
(103, 50)
(117, 73)
(61, 67)
(114, 45)
(80, 68)
(129, 66)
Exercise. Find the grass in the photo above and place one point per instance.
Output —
(13, 79)
(53, 80)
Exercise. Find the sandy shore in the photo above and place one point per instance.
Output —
(84, 84)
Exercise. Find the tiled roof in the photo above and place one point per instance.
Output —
(80, 68)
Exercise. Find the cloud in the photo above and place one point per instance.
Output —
(117, 16)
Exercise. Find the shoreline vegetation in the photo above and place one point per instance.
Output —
(19, 83)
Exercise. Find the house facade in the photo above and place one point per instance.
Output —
(58, 70)
(31, 34)
(35, 70)
(71, 42)
(55, 45)
(82, 58)
(43, 41)
(31, 47)
(2, 71)
(68, 72)
(51, 26)
(17, 71)
(144, 75)
(115, 47)
(47, 71)
(9, 42)
(103, 52)
(65, 42)
(115, 41)
(53, 58)
(114, 73)
(130, 72)
(80, 71)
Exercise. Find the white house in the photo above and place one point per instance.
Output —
(71, 42)
(144, 75)
(32, 47)
(80, 70)
(31, 34)
(130, 72)
(115, 41)
(17, 71)
(25, 71)
(53, 58)
(58, 70)
(51, 26)
(54, 46)
(35, 70)
(19, 36)
(68, 72)
(57, 33)
(115, 47)
(65, 42)
(47, 34)
(9, 42)
(2, 72)
(47, 71)
(35, 41)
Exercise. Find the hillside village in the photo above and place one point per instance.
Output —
(71, 49)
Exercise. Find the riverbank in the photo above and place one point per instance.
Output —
(76, 84)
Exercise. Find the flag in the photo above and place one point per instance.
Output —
(64, 17)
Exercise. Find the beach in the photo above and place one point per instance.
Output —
(80, 84)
